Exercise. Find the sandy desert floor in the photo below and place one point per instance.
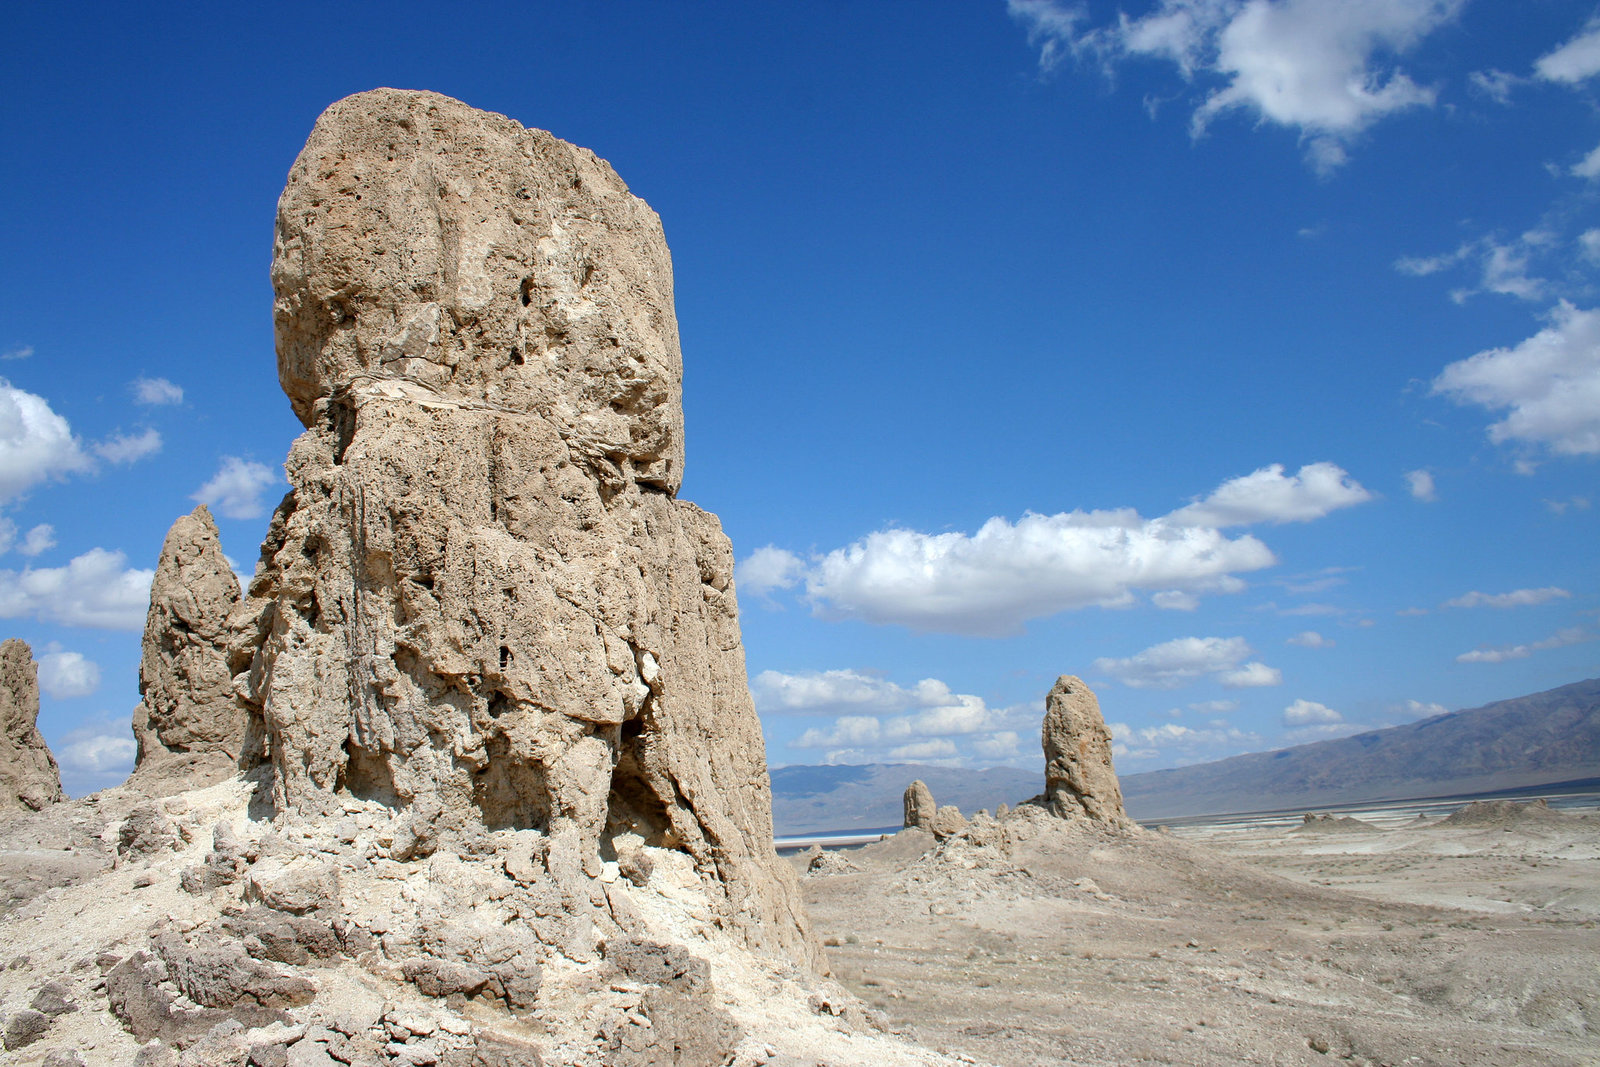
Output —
(1391, 939)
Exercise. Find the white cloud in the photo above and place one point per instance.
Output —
(1561, 639)
(1420, 482)
(1251, 676)
(874, 718)
(1178, 662)
(36, 444)
(1309, 712)
(1589, 165)
(992, 581)
(21, 352)
(1574, 61)
(1310, 639)
(127, 448)
(235, 490)
(1504, 268)
(1550, 383)
(1517, 598)
(155, 391)
(1495, 84)
(1266, 495)
(95, 589)
(767, 569)
(95, 756)
(1215, 707)
(1589, 245)
(68, 674)
(1321, 67)
(1416, 709)
(1561, 507)
(42, 538)
(1169, 735)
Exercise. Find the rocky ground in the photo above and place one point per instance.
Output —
(1040, 941)
(187, 933)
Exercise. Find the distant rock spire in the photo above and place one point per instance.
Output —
(29, 777)
(1079, 780)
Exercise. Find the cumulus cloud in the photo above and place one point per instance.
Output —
(1148, 742)
(36, 444)
(41, 538)
(875, 718)
(1517, 598)
(1576, 60)
(1186, 659)
(1254, 675)
(96, 589)
(1320, 67)
(1549, 385)
(1267, 495)
(96, 755)
(1416, 709)
(992, 581)
(768, 569)
(1308, 713)
(155, 391)
(1420, 482)
(235, 490)
(1574, 635)
(127, 448)
(64, 675)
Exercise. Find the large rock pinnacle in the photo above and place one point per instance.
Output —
(481, 604)
(1079, 780)
(29, 777)
(189, 724)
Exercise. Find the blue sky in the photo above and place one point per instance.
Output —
(1240, 357)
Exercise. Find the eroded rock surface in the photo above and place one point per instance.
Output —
(481, 604)
(29, 777)
(1079, 778)
(920, 806)
(190, 726)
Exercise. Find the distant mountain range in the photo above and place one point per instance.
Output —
(1540, 739)
(1545, 738)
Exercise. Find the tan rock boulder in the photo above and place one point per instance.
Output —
(29, 777)
(482, 604)
(1079, 778)
(947, 821)
(919, 805)
(190, 726)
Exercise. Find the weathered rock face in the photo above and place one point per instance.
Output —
(190, 726)
(29, 777)
(481, 603)
(919, 805)
(1078, 777)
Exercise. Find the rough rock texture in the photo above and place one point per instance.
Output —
(482, 605)
(1078, 777)
(29, 777)
(190, 726)
(919, 805)
(946, 821)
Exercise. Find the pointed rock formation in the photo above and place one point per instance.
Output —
(189, 725)
(920, 806)
(29, 777)
(482, 605)
(1079, 780)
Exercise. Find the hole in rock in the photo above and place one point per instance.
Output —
(527, 290)
(367, 776)
(505, 656)
(510, 792)
(516, 356)
(634, 806)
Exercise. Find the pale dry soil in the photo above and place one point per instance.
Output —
(1392, 941)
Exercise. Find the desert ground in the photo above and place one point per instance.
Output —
(1399, 937)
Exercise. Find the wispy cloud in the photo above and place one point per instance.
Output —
(20, 352)
(1420, 483)
(155, 391)
(1187, 659)
(1561, 639)
(1575, 61)
(1517, 598)
(1315, 66)
(235, 491)
(128, 448)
